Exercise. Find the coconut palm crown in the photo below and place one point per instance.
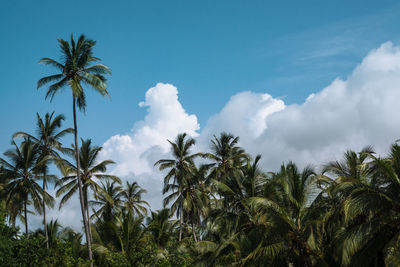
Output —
(76, 68)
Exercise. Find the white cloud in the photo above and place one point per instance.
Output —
(245, 114)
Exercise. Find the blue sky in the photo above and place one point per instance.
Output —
(209, 50)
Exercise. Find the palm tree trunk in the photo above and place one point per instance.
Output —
(88, 215)
(78, 174)
(180, 222)
(26, 216)
(194, 233)
(44, 211)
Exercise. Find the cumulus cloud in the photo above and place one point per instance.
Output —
(347, 114)
(246, 114)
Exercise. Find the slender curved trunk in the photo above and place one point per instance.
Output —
(194, 233)
(88, 215)
(26, 216)
(78, 174)
(180, 222)
(44, 211)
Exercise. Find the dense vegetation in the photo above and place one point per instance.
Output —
(221, 208)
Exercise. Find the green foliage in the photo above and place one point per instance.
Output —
(230, 213)
(16, 251)
(7, 237)
(115, 259)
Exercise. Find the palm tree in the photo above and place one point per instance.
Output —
(372, 216)
(76, 68)
(54, 229)
(227, 162)
(287, 217)
(227, 156)
(232, 225)
(355, 168)
(133, 198)
(255, 178)
(15, 206)
(125, 234)
(109, 198)
(248, 181)
(23, 166)
(179, 173)
(48, 140)
(160, 227)
(338, 180)
(196, 196)
(90, 171)
(219, 246)
(74, 239)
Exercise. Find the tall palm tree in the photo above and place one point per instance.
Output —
(90, 171)
(48, 139)
(132, 194)
(23, 166)
(179, 172)
(76, 67)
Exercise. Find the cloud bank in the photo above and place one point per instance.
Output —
(347, 114)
